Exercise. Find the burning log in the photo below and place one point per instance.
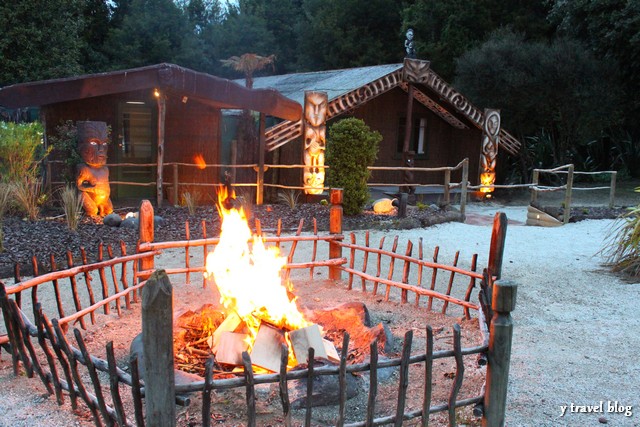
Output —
(266, 347)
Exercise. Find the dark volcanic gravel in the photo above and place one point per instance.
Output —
(25, 239)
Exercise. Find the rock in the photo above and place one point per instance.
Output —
(158, 221)
(326, 390)
(130, 222)
(112, 220)
(408, 223)
(383, 206)
(603, 420)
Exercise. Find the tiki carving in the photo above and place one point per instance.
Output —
(315, 129)
(416, 70)
(490, 140)
(409, 44)
(92, 175)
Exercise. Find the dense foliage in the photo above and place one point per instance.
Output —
(351, 148)
(566, 74)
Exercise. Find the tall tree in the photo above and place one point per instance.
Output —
(96, 22)
(248, 64)
(40, 40)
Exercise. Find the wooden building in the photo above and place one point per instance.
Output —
(445, 127)
(157, 114)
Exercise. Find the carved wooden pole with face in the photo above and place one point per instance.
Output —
(92, 176)
(315, 129)
(488, 157)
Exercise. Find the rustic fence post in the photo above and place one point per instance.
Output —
(612, 189)
(567, 196)
(335, 227)
(535, 178)
(157, 342)
(447, 185)
(503, 302)
(145, 232)
(463, 191)
(176, 193)
(261, 169)
(496, 250)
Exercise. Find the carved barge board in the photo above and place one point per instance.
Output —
(540, 218)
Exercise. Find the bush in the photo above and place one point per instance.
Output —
(65, 142)
(351, 147)
(622, 250)
(21, 149)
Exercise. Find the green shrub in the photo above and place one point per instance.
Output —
(351, 147)
(21, 150)
(65, 142)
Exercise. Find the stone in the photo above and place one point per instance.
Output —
(130, 222)
(158, 221)
(383, 206)
(326, 389)
(112, 220)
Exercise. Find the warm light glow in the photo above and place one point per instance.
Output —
(198, 159)
(487, 179)
(248, 275)
(156, 93)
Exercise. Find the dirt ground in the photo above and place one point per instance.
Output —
(575, 344)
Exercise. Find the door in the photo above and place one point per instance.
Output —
(136, 144)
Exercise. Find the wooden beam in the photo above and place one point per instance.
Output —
(162, 110)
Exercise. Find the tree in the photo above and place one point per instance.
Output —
(248, 64)
(40, 40)
(96, 22)
(560, 88)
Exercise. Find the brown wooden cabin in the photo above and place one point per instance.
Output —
(446, 126)
(158, 114)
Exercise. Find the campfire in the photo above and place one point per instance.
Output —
(258, 310)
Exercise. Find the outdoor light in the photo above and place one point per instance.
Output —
(156, 93)
(487, 179)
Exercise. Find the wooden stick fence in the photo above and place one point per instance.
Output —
(63, 366)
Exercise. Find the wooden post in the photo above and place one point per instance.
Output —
(261, 150)
(612, 189)
(157, 350)
(567, 196)
(496, 250)
(176, 193)
(145, 230)
(162, 108)
(535, 178)
(447, 183)
(407, 158)
(335, 227)
(503, 302)
(463, 189)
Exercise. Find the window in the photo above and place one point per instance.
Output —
(418, 141)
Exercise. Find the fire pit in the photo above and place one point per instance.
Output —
(399, 290)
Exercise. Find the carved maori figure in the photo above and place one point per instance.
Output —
(315, 114)
(490, 139)
(409, 45)
(92, 176)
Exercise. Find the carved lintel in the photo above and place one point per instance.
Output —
(415, 70)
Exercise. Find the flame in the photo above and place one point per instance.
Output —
(487, 179)
(248, 274)
(198, 159)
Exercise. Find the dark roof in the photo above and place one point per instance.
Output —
(216, 91)
(335, 82)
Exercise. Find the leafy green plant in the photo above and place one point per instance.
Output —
(21, 150)
(622, 250)
(65, 142)
(72, 205)
(289, 198)
(351, 148)
(28, 195)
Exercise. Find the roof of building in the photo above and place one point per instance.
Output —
(170, 78)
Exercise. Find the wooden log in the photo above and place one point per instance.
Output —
(145, 231)
(11, 329)
(459, 376)
(499, 354)
(304, 338)
(26, 340)
(365, 261)
(373, 383)
(250, 390)
(49, 355)
(93, 375)
(135, 390)
(567, 196)
(496, 250)
(392, 262)
(17, 279)
(74, 292)
(230, 347)
(292, 250)
(114, 279)
(428, 377)
(162, 112)
(420, 268)
(121, 417)
(463, 188)
(342, 381)
(403, 382)
(612, 189)
(123, 275)
(66, 369)
(87, 279)
(308, 400)
(378, 266)
(157, 338)
(206, 393)
(434, 275)
(56, 286)
(352, 260)
(266, 347)
(314, 252)
(405, 271)
(335, 227)
(19, 332)
(283, 385)
(103, 280)
(539, 218)
(445, 305)
(472, 284)
(34, 290)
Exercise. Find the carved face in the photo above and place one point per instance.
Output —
(493, 123)
(316, 109)
(94, 152)
(409, 34)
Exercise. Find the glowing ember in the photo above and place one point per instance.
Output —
(248, 275)
(198, 159)
(487, 179)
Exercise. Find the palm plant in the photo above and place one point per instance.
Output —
(248, 64)
(622, 250)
